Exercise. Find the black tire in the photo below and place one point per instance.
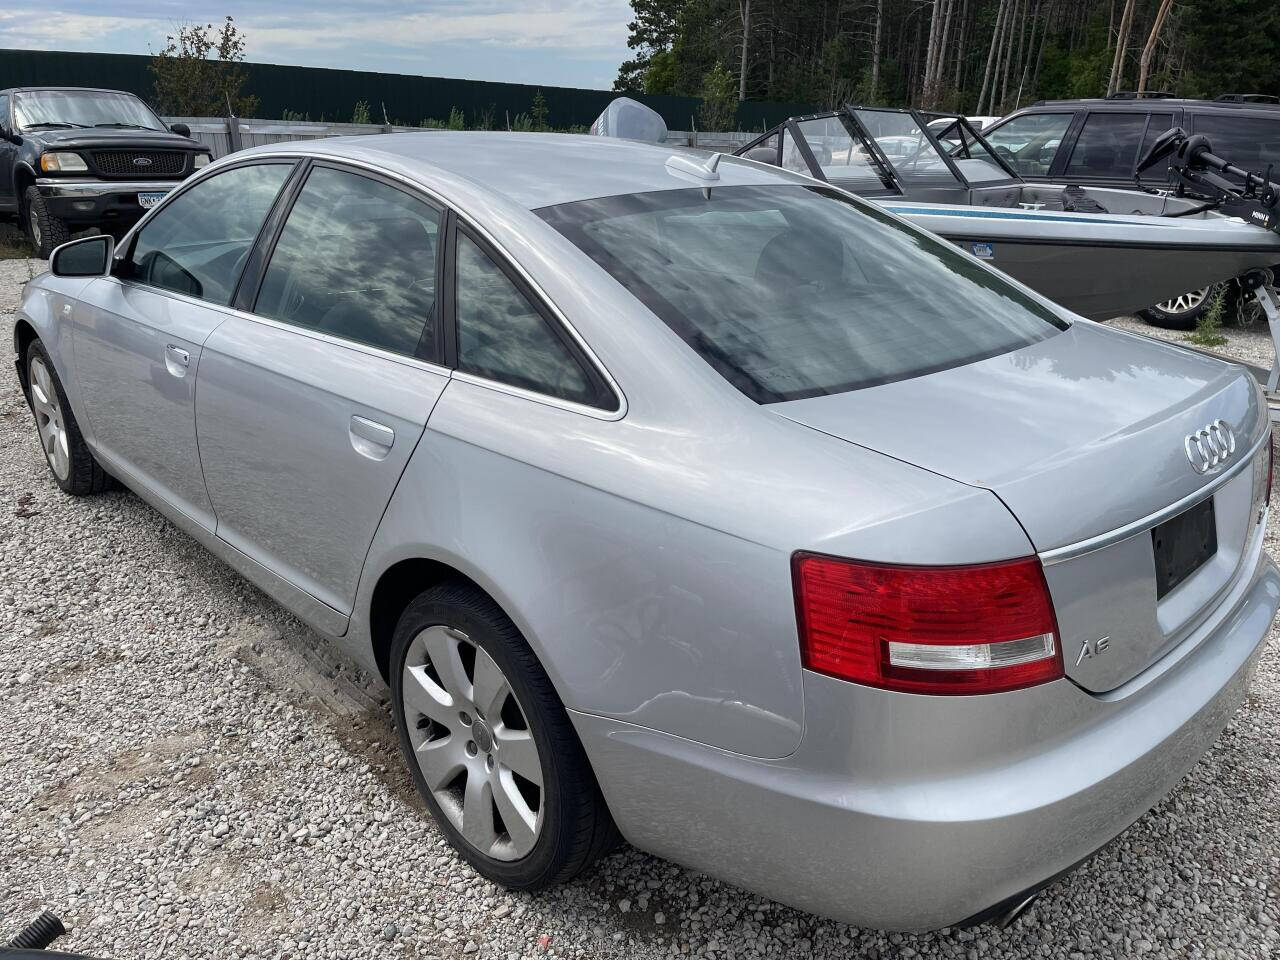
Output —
(576, 827)
(1169, 319)
(43, 229)
(85, 475)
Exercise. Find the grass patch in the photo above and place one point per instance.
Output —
(1208, 326)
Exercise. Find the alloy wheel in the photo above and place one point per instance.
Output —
(472, 743)
(49, 421)
(1184, 302)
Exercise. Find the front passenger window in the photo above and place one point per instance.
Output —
(1030, 142)
(198, 243)
(357, 260)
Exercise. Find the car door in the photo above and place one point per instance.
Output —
(312, 398)
(137, 334)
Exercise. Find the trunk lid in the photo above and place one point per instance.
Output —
(1082, 437)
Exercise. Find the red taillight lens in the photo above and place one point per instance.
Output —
(939, 630)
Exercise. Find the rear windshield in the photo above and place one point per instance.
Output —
(799, 291)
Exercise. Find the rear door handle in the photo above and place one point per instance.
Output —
(176, 360)
(370, 438)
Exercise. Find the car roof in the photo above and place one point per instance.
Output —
(82, 89)
(1154, 104)
(536, 169)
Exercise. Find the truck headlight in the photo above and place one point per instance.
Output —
(63, 161)
(200, 160)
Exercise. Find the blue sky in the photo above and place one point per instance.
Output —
(575, 43)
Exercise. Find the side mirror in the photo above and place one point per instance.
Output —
(87, 257)
(181, 129)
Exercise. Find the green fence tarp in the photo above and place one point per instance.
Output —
(318, 93)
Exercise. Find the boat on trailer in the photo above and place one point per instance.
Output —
(1099, 252)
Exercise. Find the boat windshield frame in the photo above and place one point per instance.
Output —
(893, 181)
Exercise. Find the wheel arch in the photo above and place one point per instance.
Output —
(23, 176)
(396, 588)
(23, 336)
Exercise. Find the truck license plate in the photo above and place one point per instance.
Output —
(147, 200)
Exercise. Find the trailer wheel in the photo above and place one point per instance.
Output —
(1182, 312)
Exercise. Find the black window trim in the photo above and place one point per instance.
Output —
(124, 252)
(247, 293)
(606, 401)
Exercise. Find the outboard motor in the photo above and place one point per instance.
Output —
(630, 120)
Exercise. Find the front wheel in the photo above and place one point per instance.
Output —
(44, 230)
(72, 464)
(489, 744)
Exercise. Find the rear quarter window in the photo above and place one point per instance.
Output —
(1249, 142)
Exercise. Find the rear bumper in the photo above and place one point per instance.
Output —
(95, 201)
(909, 812)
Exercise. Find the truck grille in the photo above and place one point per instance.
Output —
(140, 163)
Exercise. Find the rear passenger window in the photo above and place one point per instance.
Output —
(1108, 145)
(1248, 142)
(198, 243)
(503, 337)
(357, 260)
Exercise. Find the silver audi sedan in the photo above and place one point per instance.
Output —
(692, 501)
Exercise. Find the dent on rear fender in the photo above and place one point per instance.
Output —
(634, 614)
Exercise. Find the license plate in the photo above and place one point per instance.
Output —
(146, 200)
(1183, 545)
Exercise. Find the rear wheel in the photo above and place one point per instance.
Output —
(44, 230)
(1182, 312)
(489, 744)
(70, 461)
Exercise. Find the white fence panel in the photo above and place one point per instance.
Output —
(225, 136)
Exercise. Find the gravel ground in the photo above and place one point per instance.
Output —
(1250, 344)
(185, 770)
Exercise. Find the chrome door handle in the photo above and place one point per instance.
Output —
(176, 360)
(370, 438)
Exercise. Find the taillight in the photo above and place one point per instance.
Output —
(937, 630)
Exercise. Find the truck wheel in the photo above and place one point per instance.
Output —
(44, 230)
(1182, 312)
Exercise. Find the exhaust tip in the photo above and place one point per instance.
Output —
(1007, 918)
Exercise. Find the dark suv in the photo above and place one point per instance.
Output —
(73, 158)
(1099, 143)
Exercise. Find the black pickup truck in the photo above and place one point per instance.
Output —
(72, 158)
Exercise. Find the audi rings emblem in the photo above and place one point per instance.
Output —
(1210, 447)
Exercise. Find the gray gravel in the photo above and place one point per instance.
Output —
(186, 771)
(1250, 344)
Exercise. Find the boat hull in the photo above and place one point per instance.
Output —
(1100, 265)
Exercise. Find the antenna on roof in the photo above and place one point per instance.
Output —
(679, 163)
(684, 166)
